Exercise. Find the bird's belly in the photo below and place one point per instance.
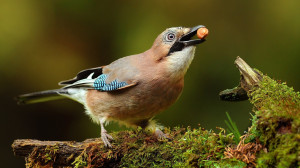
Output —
(132, 104)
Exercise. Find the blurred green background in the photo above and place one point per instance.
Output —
(44, 42)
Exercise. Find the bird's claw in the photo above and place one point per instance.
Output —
(105, 138)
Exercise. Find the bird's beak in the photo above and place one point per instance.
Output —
(187, 38)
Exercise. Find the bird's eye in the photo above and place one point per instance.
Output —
(170, 37)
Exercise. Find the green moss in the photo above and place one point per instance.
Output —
(42, 158)
(50, 153)
(228, 163)
(80, 161)
(193, 148)
(273, 99)
(276, 123)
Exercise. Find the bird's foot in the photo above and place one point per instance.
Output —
(161, 136)
(105, 138)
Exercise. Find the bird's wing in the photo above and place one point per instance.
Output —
(95, 79)
(101, 84)
(93, 73)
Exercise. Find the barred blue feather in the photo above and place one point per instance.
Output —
(101, 85)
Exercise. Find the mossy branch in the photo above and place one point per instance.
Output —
(272, 140)
(55, 153)
(276, 123)
(132, 149)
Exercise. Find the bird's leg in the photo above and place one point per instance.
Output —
(105, 136)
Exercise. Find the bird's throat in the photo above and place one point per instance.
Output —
(179, 62)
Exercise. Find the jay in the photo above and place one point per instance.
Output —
(132, 89)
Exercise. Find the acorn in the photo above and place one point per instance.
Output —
(202, 32)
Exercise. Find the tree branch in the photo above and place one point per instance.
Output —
(63, 153)
(249, 78)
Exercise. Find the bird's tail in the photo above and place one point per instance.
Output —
(42, 96)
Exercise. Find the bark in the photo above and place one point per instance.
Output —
(249, 78)
(62, 153)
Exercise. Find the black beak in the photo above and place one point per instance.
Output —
(185, 40)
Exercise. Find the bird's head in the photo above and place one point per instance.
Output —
(175, 40)
(175, 47)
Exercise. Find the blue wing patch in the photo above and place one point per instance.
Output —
(101, 85)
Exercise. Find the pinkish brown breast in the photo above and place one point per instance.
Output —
(134, 104)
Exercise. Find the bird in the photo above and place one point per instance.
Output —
(133, 89)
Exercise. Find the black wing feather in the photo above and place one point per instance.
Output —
(83, 75)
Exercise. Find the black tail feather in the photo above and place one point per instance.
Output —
(42, 96)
